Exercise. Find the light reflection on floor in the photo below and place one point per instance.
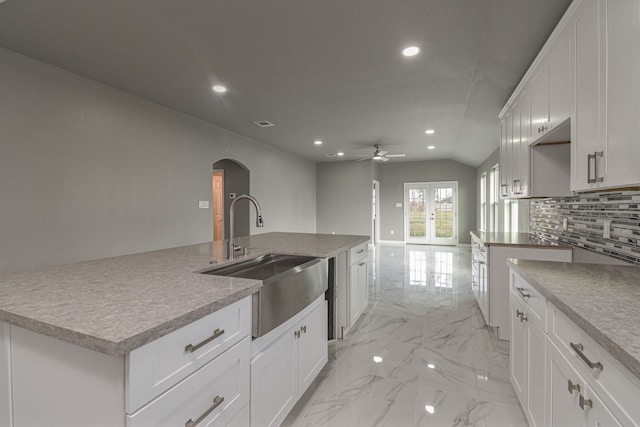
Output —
(420, 355)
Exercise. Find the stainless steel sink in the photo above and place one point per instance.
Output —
(289, 284)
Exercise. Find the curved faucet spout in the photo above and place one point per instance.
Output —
(231, 248)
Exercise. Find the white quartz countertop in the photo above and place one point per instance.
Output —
(115, 305)
(527, 240)
(601, 299)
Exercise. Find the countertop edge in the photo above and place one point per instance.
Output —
(129, 344)
(543, 245)
(618, 353)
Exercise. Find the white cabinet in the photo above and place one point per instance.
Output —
(198, 372)
(353, 297)
(505, 155)
(539, 88)
(561, 376)
(561, 79)
(607, 95)
(283, 370)
(5, 376)
(527, 357)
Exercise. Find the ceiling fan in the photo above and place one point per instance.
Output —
(381, 155)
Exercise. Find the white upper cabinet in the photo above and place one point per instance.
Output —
(539, 87)
(605, 131)
(560, 79)
(505, 154)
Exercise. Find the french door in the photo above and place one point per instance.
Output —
(431, 213)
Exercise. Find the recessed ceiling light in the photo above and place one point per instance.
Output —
(317, 142)
(431, 147)
(429, 131)
(340, 153)
(264, 123)
(411, 51)
(219, 89)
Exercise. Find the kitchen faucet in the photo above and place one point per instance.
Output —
(231, 247)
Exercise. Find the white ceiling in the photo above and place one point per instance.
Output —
(318, 69)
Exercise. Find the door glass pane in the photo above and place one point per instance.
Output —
(417, 212)
(443, 209)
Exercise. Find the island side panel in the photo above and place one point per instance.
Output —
(56, 383)
(5, 376)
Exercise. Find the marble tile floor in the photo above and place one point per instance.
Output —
(419, 356)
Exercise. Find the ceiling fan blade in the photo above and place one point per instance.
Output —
(362, 160)
(384, 159)
(382, 153)
(396, 155)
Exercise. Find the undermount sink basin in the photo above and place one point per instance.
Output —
(289, 284)
(261, 268)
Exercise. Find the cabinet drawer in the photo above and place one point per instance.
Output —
(535, 303)
(157, 366)
(358, 253)
(210, 397)
(616, 386)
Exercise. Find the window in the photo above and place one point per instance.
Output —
(494, 198)
(510, 216)
(483, 201)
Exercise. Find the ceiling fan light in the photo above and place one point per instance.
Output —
(377, 157)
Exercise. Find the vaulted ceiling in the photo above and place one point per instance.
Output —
(319, 69)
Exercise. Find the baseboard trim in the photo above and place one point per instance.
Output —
(392, 242)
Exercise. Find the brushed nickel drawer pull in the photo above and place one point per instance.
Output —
(360, 251)
(304, 329)
(585, 402)
(191, 348)
(216, 402)
(361, 264)
(519, 313)
(296, 334)
(572, 387)
(579, 348)
(523, 294)
(523, 318)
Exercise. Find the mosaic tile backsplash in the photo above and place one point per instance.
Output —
(585, 215)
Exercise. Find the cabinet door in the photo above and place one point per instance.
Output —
(363, 284)
(5, 374)
(516, 181)
(354, 295)
(518, 354)
(483, 290)
(560, 79)
(536, 369)
(525, 135)
(563, 391)
(540, 100)
(312, 347)
(274, 381)
(623, 94)
(587, 130)
(505, 155)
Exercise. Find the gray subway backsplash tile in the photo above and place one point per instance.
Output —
(585, 214)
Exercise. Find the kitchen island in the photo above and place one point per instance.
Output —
(490, 278)
(96, 313)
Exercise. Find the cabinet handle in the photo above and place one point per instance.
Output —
(579, 348)
(361, 264)
(216, 402)
(360, 251)
(191, 348)
(571, 386)
(304, 329)
(523, 318)
(519, 313)
(523, 294)
(585, 402)
(594, 157)
(296, 334)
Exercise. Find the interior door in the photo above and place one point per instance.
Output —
(431, 213)
(218, 205)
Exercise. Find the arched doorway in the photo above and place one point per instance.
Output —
(230, 179)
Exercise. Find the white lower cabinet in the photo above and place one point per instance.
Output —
(353, 292)
(527, 362)
(358, 292)
(550, 374)
(283, 369)
(196, 375)
(5, 375)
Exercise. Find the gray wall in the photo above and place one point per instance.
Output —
(393, 177)
(343, 192)
(87, 171)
